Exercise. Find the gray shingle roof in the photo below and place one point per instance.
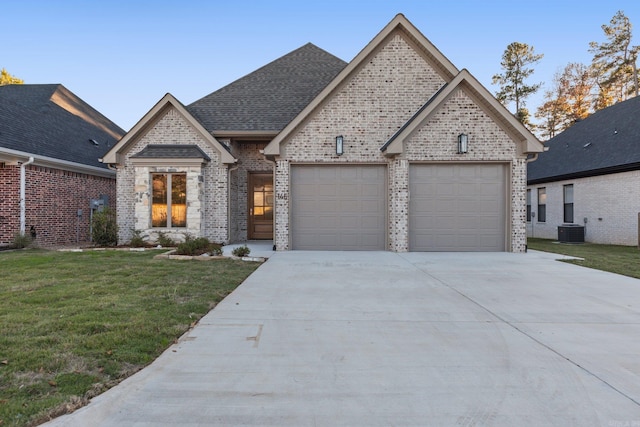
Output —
(49, 120)
(172, 151)
(607, 141)
(270, 97)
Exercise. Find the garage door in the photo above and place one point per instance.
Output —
(457, 207)
(338, 207)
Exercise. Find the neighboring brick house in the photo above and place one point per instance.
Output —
(50, 143)
(590, 176)
(396, 150)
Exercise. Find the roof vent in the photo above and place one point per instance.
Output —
(94, 142)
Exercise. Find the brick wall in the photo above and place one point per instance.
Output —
(53, 198)
(9, 202)
(610, 203)
(370, 107)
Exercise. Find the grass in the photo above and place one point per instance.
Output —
(623, 260)
(75, 324)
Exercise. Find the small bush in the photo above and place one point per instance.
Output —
(137, 241)
(241, 251)
(164, 240)
(198, 246)
(104, 229)
(21, 241)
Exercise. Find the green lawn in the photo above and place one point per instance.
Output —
(74, 324)
(623, 260)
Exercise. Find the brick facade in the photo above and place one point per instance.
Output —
(610, 203)
(370, 107)
(53, 199)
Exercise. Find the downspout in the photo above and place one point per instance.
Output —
(23, 201)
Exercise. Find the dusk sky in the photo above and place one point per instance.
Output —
(123, 56)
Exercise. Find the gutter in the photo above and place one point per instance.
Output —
(23, 201)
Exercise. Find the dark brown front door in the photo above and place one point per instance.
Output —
(260, 197)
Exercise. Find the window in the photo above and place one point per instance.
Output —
(169, 195)
(568, 203)
(528, 205)
(542, 204)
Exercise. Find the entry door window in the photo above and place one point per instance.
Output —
(260, 206)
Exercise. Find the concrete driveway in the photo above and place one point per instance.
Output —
(385, 339)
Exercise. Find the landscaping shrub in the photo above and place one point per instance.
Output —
(241, 251)
(104, 229)
(137, 241)
(198, 246)
(21, 241)
(164, 240)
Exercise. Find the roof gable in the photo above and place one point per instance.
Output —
(270, 97)
(50, 121)
(168, 101)
(527, 142)
(399, 24)
(606, 141)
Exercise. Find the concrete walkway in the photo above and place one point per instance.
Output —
(385, 339)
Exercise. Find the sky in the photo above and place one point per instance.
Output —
(123, 56)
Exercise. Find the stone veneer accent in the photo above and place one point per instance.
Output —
(369, 108)
(207, 190)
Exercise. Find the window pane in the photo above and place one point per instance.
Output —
(542, 213)
(542, 196)
(178, 200)
(258, 199)
(568, 212)
(568, 193)
(528, 197)
(159, 201)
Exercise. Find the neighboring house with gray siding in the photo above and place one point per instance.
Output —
(396, 150)
(590, 176)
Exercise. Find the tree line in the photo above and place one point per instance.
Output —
(579, 89)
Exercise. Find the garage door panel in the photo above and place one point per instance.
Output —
(457, 207)
(338, 207)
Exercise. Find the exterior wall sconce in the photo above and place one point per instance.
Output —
(463, 143)
(339, 145)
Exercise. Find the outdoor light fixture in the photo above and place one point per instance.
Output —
(463, 143)
(339, 145)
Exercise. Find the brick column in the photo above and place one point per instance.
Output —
(399, 205)
(282, 196)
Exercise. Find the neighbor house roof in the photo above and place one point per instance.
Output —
(608, 141)
(51, 123)
(269, 98)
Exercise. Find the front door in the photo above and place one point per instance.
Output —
(260, 197)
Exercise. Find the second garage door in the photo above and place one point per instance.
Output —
(457, 207)
(338, 207)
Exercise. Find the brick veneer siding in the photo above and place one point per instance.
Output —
(53, 198)
(250, 160)
(369, 108)
(207, 186)
(436, 140)
(610, 203)
(9, 202)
